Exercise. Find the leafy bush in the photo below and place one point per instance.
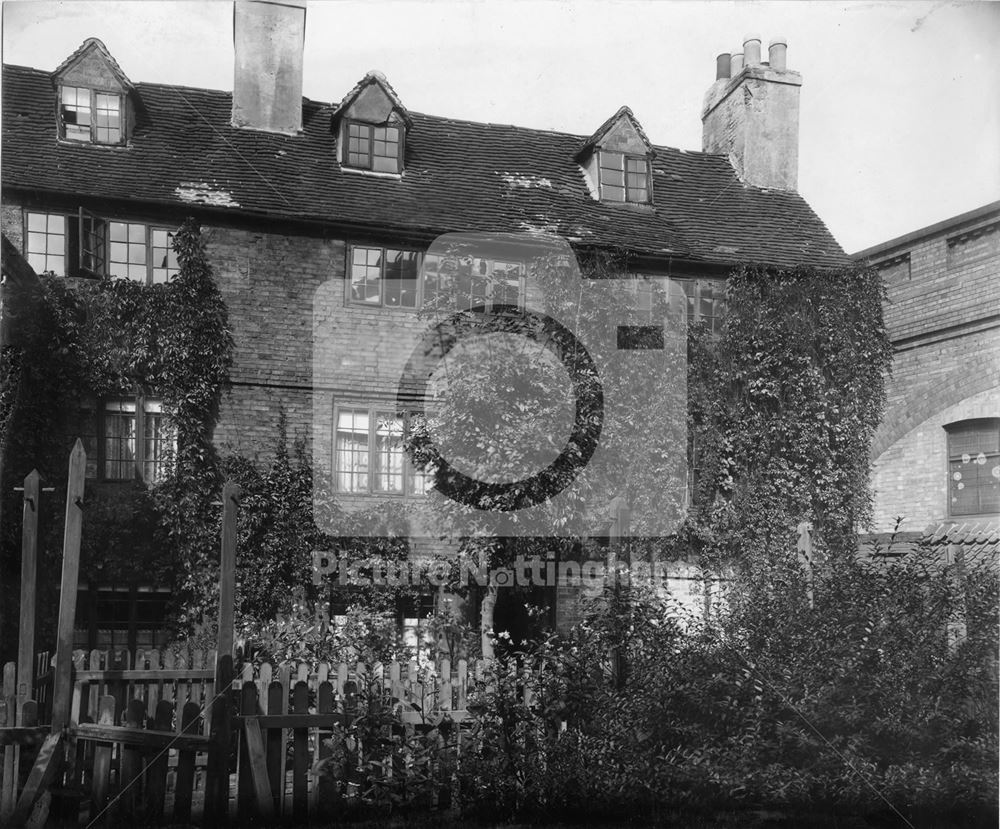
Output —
(857, 703)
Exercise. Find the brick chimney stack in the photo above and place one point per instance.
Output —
(269, 38)
(751, 115)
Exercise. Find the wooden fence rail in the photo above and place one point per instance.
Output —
(139, 736)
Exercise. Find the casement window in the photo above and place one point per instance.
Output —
(706, 303)
(974, 467)
(91, 116)
(471, 282)
(141, 253)
(378, 148)
(624, 178)
(90, 245)
(369, 456)
(45, 242)
(384, 276)
(137, 440)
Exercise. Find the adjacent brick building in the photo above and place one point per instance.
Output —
(294, 193)
(937, 453)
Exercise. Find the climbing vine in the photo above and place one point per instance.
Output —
(783, 408)
(78, 341)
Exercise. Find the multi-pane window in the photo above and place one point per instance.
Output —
(88, 115)
(119, 440)
(127, 251)
(706, 303)
(163, 260)
(384, 276)
(107, 118)
(139, 252)
(377, 148)
(123, 456)
(624, 178)
(45, 248)
(471, 282)
(974, 466)
(369, 455)
(89, 245)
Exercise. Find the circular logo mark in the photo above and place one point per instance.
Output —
(587, 391)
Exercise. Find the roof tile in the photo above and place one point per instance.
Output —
(459, 176)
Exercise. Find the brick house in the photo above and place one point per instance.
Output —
(292, 193)
(937, 452)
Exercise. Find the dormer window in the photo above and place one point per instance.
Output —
(616, 161)
(624, 178)
(93, 96)
(89, 115)
(371, 124)
(377, 148)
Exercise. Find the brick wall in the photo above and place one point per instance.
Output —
(943, 302)
(910, 478)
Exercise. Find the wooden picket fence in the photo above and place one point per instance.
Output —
(139, 738)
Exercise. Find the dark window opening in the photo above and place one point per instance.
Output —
(974, 467)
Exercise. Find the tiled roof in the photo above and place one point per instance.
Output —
(978, 540)
(460, 176)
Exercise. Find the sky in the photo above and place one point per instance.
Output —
(900, 103)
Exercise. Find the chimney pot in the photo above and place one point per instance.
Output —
(723, 66)
(777, 54)
(757, 127)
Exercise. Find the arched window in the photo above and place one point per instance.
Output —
(974, 466)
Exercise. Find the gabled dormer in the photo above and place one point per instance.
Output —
(617, 161)
(371, 125)
(93, 97)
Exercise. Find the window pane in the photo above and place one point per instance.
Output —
(366, 276)
(164, 259)
(351, 452)
(74, 112)
(418, 481)
(385, 165)
(388, 453)
(973, 437)
(119, 440)
(613, 193)
(401, 278)
(158, 443)
(611, 161)
(612, 178)
(127, 251)
(45, 245)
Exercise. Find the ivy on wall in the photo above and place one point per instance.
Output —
(81, 340)
(783, 409)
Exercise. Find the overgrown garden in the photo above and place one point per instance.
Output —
(844, 693)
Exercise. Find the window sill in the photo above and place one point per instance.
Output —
(69, 142)
(629, 205)
(370, 173)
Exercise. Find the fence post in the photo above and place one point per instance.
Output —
(29, 592)
(805, 551)
(217, 778)
(62, 680)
